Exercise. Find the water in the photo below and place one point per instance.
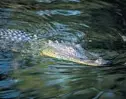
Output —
(99, 26)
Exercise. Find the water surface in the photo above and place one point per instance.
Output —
(99, 26)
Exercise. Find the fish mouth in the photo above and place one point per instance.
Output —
(102, 62)
(94, 62)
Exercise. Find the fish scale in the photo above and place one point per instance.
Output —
(14, 35)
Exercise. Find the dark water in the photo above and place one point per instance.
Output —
(99, 26)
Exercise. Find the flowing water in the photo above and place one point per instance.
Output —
(98, 25)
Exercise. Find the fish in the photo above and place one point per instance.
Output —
(55, 49)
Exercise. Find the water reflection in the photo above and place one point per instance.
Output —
(93, 24)
(71, 82)
(60, 12)
(50, 1)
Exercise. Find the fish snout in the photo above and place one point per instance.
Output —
(101, 61)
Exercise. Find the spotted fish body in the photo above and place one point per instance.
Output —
(12, 39)
(14, 35)
(60, 50)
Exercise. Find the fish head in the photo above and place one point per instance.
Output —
(71, 52)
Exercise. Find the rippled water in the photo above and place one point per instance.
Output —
(99, 26)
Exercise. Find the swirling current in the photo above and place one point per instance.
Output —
(99, 26)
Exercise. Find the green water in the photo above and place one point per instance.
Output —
(99, 26)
